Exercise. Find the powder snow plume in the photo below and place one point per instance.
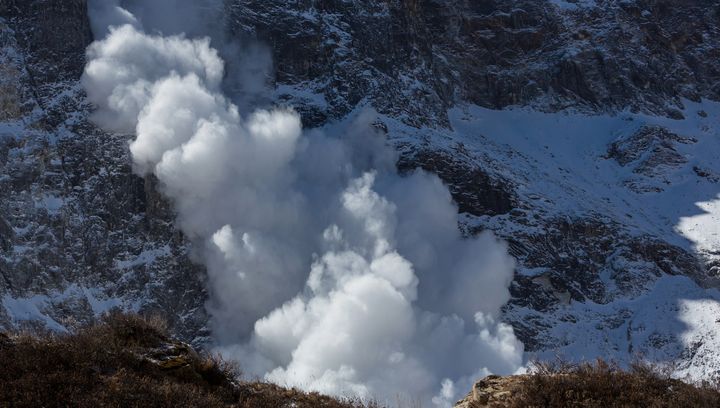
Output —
(327, 270)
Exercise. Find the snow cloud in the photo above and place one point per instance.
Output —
(327, 270)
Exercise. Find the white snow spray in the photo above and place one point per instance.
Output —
(327, 270)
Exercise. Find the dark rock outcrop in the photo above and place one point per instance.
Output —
(414, 59)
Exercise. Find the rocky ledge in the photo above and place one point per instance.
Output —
(492, 391)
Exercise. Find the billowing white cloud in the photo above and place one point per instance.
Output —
(105, 14)
(326, 269)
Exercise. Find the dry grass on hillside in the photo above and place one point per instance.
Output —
(602, 385)
(128, 361)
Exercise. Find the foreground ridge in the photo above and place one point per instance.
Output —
(598, 384)
(130, 361)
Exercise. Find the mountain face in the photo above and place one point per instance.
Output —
(416, 59)
(582, 132)
(79, 232)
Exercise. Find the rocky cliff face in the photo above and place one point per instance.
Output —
(614, 145)
(80, 233)
(415, 59)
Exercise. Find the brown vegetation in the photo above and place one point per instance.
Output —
(603, 384)
(592, 385)
(129, 361)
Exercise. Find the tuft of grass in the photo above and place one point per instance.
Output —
(601, 384)
(264, 395)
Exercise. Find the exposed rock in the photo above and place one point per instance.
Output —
(651, 152)
(473, 190)
(653, 141)
(708, 174)
(491, 391)
(415, 59)
(53, 35)
(171, 355)
(586, 261)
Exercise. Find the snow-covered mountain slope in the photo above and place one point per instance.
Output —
(601, 170)
(615, 240)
